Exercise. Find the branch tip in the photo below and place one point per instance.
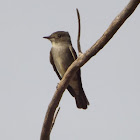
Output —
(79, 32)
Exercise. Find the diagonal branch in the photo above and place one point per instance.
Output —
(80, 61)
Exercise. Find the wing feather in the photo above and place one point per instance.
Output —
(52, 62)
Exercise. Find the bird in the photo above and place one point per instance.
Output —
(62, 55)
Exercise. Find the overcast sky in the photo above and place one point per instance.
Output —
(111, 79)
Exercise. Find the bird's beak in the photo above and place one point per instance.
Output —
(47, 37)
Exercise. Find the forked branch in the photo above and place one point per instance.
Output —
(80, 61)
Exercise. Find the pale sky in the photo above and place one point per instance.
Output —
(111, 79)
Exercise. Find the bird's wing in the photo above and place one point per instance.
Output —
(73, 52)
(79, 71)
(52, 62)
(75, 57)
(69, 87)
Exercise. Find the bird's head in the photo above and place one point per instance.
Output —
(59, 37)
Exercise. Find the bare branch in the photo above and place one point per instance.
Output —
(80, 61)
(79, 30)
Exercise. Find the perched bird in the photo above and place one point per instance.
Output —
(62, 55)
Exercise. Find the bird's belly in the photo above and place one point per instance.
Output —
(61, 66)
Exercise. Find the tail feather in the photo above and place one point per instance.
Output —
(81, 100)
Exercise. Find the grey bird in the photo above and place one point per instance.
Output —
(62, 55)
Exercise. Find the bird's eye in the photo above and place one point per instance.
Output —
(59, 36)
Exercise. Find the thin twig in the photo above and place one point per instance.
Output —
(79, 32)
(55, 117)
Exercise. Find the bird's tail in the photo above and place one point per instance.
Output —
(81, 100)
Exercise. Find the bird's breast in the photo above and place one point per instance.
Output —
(62, 58)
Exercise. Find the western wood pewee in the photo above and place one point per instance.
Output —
(62, 55)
